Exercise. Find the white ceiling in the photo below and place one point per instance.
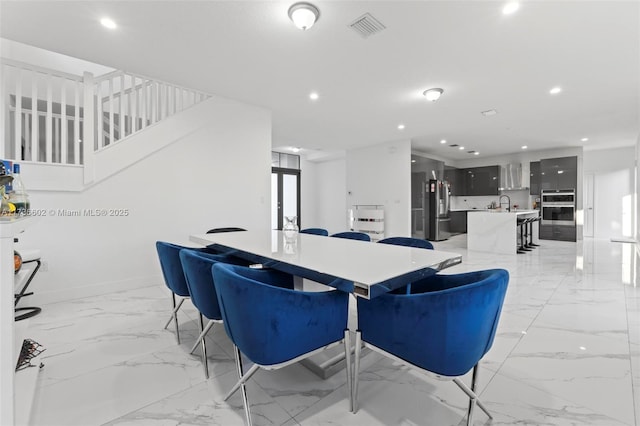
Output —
(250, 51)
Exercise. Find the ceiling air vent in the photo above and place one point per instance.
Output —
(367, 25)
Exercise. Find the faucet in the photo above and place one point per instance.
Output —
(508, 202)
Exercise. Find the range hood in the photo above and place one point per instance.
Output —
(511, 177)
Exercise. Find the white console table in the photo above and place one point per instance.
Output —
(9, 229)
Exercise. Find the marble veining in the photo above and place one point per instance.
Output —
(567, 352)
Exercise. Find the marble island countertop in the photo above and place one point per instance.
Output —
(513, 211)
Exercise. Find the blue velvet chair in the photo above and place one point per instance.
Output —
(445, 326)
(315, 231)
(274, 326)
(197, 271)
(351, 235)
(169, 256)
(408, 242)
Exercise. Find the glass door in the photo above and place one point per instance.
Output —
(285, 195)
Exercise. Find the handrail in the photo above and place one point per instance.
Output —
(126, 104)
(41, 70)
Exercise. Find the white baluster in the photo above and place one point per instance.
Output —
(88, 122)
(76, 124)
(49, 120)
(64, 138)
(122, 133)
(17, 116)
(99, 115)
(35, 119)
(111, 108)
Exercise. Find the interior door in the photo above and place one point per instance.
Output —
(285, 195)
(589, 180)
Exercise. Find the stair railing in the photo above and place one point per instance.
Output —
(44, 117)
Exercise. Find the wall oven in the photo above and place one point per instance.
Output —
(558, 207)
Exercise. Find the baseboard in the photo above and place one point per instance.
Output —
(41, 298)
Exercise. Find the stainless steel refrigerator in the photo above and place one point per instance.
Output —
(436, 197)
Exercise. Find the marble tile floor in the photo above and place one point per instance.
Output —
(567, 352)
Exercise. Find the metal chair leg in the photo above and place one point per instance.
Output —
(201, 336)
(356, 371)
(241, 384)
(174, 315)
(205, 362)
(347, 353)
(471, 393)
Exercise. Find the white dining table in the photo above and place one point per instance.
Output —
(362, 268)
(370, 268)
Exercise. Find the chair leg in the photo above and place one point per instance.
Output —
(474, 400)
(356, 372)
(205, 362)
(202, 334)
(347, 354)
(241, 383)
(174, 315)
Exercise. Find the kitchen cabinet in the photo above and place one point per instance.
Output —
(559, 173)
(482, 180)
(534, 182)
(456, 180)
(458, 224)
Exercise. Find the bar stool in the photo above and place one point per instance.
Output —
(521, 224)
(531, 221)
(27, 256)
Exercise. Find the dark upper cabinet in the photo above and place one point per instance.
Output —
(482, 180)
(534, 182)
(559, 173)
(456, 180)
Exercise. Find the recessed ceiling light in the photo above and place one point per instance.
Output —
(560, 172)
(461, 148)
(400, 126)
(510, 8)
(314, 96)
(413, 161)
(489, 112)
(555, 90)
(524, 147)
(443, 141)
(108, 23)
(433, 94)
(295, 149)
(304, 15)
(476, 153)
(584, 139)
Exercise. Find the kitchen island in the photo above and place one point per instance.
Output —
(496, 231)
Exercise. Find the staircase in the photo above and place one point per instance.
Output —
(58, 125)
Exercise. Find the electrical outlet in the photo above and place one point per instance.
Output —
(45, 266)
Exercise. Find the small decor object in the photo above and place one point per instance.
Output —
(30, 349)
(290, 228)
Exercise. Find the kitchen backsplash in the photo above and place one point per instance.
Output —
(521, 198)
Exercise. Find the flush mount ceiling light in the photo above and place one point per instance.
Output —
(510, 8)
(108, 23)
(433, 94)
(304, 15)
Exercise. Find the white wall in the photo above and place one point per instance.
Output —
(381, 174)
(216, 176)
(308, 199)
(330, 196)
(614, 199)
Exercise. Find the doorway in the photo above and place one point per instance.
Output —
(285, 195)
